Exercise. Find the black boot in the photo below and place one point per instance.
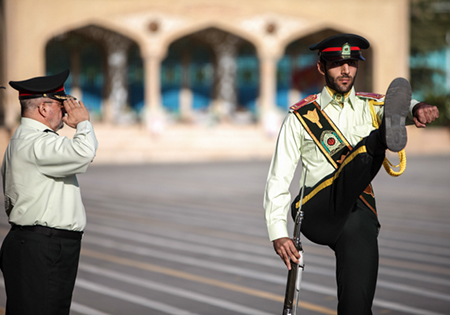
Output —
(396, 109)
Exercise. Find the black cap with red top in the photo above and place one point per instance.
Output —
(341, 47)
(46, 86)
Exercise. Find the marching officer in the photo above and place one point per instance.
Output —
(340, 136)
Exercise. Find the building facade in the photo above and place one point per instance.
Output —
(198, 61)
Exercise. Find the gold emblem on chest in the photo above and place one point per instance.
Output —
(313, 117)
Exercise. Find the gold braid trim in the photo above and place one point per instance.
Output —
(402, 164)
(401, 155)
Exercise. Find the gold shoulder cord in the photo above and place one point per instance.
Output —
(401, 155)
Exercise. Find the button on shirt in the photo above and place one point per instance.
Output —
(354, 120)
(39, 180)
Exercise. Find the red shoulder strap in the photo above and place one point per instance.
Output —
(307, 100)
(373, 96)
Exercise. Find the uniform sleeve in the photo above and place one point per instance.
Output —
(277, 197)
(409, 118)
(61, 156)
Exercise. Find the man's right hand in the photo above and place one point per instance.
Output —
(76, 112)
(285, 248)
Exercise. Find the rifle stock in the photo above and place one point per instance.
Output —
(293, 285)
(290, 290)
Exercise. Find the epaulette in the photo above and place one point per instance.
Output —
(307, 100)
(372, 96)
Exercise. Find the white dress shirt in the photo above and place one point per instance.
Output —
(39, 180)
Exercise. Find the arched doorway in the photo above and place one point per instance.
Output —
(101, 62)
(210, 74)
(85, 59)
(187, 77)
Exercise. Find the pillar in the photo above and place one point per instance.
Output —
(268, 83)
(269, 115)
(114, 110)
(154, 115)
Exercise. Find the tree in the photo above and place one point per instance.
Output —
(430, 33)
(430, 25)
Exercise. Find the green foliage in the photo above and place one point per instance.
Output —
(430, 25)
(430, 32)
(421, 78)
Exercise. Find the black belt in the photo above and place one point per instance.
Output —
(73, 235)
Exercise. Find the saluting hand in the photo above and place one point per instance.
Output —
(76, 112)
(285, 248)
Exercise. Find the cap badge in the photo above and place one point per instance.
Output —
(346, 51)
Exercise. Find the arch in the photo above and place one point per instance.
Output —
(317, 28)
(97, 22)
(187, 76)
(206, 84)
(202, 25)
(107, 90)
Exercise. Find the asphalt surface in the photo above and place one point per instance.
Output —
(191, 239)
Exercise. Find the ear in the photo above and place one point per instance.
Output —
(321, 67)
(42, 109)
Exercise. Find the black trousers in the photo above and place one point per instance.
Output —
(39, 272)
(335, 216)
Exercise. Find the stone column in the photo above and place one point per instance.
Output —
(154, 115)
(270, 117)
(116, 51)
(116, 48)
(268, 83)
(226, 77)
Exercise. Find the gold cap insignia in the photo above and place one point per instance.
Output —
(346, 51)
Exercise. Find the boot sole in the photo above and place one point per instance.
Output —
(396, 109)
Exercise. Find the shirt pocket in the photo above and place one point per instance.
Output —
(308, 145)
(360, 131)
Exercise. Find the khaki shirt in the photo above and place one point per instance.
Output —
(353, 119)
(39, 179)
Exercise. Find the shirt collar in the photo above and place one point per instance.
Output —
(325, 98)
(30, 122)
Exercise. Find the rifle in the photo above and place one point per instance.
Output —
(295, 274)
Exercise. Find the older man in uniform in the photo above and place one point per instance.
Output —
(39, 256)
(341, 137)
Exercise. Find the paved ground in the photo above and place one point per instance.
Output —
(191, 239)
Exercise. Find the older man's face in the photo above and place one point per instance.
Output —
(55, 110)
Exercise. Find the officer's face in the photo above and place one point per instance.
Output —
(55, 112)
(339, 75)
